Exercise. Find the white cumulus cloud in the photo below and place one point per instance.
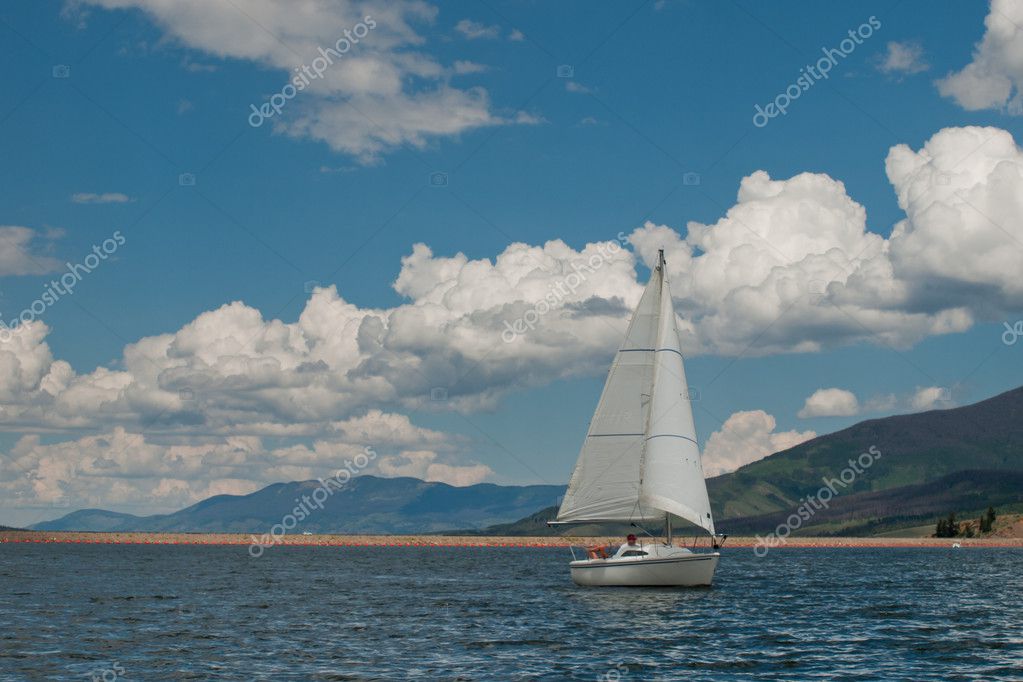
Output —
(931, 398)
(830, 402)
(124, 469)
(992, 79)
(791, 267)
(422, 464)
(747, 437)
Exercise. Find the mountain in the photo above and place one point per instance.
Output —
(366, 504)
(968, 493)
(930, 464)
(89, 519)
(915, 449)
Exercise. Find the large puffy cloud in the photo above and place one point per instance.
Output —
(383, 92)
(830, 402)
(747, 437)
(961, 242)
(791, 267)
(993, 78)
(191, 410)
(231, 372)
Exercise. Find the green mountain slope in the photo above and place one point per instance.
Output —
(915, 449)
(867, 513)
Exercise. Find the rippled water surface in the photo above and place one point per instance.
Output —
(311, 613)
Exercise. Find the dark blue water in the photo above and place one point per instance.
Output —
(181, 612)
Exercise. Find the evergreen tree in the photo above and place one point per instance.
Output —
(987, 521)
(947, 528)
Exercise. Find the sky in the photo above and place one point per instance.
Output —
(241, 242)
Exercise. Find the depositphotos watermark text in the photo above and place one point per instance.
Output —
(307, 73)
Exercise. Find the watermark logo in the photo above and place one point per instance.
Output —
(65, 286)
(615, 674)
(1012, 333)
(307, 73)
(316, 500)
(108, 674)
(816, 291)
(810, 75)
(811, 504)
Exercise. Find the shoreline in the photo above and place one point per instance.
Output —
(335, 540)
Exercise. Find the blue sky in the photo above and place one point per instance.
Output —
(324, 194)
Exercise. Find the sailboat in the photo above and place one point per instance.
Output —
(640, 462)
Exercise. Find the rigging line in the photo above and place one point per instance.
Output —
(671, 435)
(651, 350)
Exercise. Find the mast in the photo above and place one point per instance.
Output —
(667, 517)
(672, 481)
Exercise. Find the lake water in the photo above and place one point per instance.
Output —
(379, 613)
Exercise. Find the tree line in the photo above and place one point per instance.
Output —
(951, 528)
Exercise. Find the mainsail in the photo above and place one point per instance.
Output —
(640, 459)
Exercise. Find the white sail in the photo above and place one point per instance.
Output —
(605, 483)
(672, 474)
(640, 459)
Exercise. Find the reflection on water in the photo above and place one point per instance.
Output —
(186, 612)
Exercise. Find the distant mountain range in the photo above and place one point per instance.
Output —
(932, 463)
(961, 460)
(367, 504)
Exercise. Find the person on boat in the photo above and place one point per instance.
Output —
(631, 540)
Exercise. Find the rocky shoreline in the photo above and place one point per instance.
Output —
(72, 537)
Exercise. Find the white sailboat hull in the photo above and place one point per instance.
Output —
(665, 566)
